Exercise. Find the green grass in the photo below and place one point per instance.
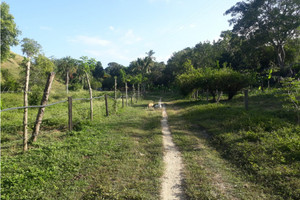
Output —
(13, 64)
(115, 157)
(256, 152)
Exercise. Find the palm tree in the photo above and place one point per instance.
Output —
(65, 65)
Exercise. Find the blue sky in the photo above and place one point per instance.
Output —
(119, 30)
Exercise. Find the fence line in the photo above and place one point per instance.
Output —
(71, 119)
(43, 106)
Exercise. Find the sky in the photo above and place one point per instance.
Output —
(118, 30)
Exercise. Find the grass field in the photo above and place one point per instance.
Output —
(228, 152)
(115, 157)
(231, 153)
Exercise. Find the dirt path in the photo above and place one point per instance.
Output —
(172, 179)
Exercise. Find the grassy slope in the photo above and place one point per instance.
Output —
(260, 147)
(116, 157)
(13, 65)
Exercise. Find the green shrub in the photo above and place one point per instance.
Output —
(9, 83)
(35, 96)
(213, 80)
(75, 86)
(96, 84)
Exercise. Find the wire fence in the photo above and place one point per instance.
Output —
(56, 117)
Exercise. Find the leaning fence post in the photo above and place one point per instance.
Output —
(106, 104)
(70, 113)
(41, 111)
(246, 99)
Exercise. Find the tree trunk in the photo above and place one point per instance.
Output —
(219, 96)
(126, 90)
(41, 112)
(138, 96)
(115, 88)
(91, 95)
(133, 89)
(280, 56)
(67, 82)
(25, 119)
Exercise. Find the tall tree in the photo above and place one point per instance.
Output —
(267, 22)
(65, 65)
(30, 48)
(9, 32)
(86, 66)
(98, 72)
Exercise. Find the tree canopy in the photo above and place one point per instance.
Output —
(30, 47)
(9, 32)
(267, 22)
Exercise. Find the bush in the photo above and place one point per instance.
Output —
(96, 84)
(75, 86)
(9, 83)
(35, 96)
(213, 80)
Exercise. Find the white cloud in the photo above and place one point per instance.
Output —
(130, 37)
(91, 41)
(192, 25)
(111, 28)
(114, 54)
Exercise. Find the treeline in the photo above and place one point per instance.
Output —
(262, 48)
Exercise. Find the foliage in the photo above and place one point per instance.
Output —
(95, 84)
(98, 72)
(65, 66)
(41, 67)
(35, 95)
(9, 82)
(224, 79)
(30, 47)
(291, 94)
(9, 32)
(267, 22)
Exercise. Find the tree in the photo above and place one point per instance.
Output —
(65, 65)
(98, 72)
(41, 67)
(125, 78)
(30, 48)
(86, 66)
(213, 80)
(9, 32)
(267, 22)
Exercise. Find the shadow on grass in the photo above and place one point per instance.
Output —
(258, 140)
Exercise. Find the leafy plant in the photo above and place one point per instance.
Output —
(35, 96)
(291, 94)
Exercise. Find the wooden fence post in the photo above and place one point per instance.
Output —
(131, 100)
(115, 88)
(106, 105)
(70, 113)
(122, 101)
(41, 112)
(126, 94)
(246, 99)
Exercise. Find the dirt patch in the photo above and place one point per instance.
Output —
(172, 179)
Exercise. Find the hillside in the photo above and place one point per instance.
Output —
(13, 65)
